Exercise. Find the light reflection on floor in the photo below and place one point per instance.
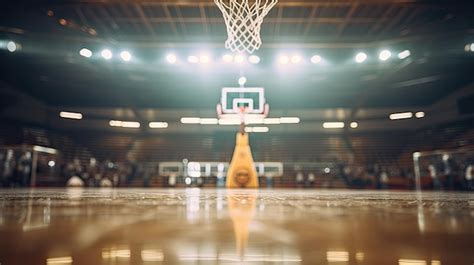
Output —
(194, 226)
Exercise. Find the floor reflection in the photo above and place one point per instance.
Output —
(198, 226)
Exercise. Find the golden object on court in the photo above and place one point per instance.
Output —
(242, 172)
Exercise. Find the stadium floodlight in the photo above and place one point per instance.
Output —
(126, 56)
(360, 57)
(204, 59)
(420, 114)
(193, 59)
(385, 55)
(209, 121)
(227, 58)
(333, 125)
(354, 125)
(296, 59)
(158, 125)
(256, 129)
(242, 80)
(316, 59)
(190, 120)
(70, 115)
(283, 59)
(84, 52)
(289, 120)
(400, 115)
(404, 54)
(239, 58)
(106, 54)
(171, 58)
(254, 59)
(12, 46)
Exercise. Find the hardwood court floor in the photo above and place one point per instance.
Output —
(207, 226)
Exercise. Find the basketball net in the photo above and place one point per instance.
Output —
(243, 21)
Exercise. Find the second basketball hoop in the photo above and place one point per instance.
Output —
(243, 19)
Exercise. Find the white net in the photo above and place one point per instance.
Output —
(243, 19)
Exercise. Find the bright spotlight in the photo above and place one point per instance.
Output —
(193, 59)
(283, 59)
(360, 57)
(204, 59)
(85, 52)
(316, 59)
(404, 54)
(227, 58)
(126, 56)
(242, 80)
(354, 125)
(171, 58)
(239, 58)
(472, 47)
(420, 114)
(385, 55)
(254, 59)
(11, 46)
(106, 54)
(295, 59)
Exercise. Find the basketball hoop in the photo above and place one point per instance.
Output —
(243, 21)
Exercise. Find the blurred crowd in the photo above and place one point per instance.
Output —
(438, 173)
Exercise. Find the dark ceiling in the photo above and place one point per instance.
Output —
(52, 32)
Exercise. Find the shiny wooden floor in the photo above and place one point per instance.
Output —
(193, 226)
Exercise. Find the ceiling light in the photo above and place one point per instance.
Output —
(227, 58)
(239, 58)
(190, 120)
(271, 121)
(229, 121)
(193, 59)
(124, 124)
(204, 59)
(256, 129)
(171, 58)
(400, 115)
(404, 54)
(385, 55)
(106, 54)
(316, 59)
(85, 52)
(254, 59)
(12, 46)
(295, 59)
(333, 125)
(283, 59)
(70, 115)
(208, 121)
(126, 56)
(242, 80)
(158, 125)
(420, 114)
(289, 120)
(360, 57)
(354, 125)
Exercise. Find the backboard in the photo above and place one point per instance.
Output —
(252, 99)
